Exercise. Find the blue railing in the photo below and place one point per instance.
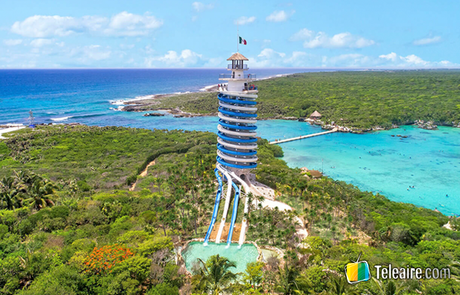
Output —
(236, 114)
(232, 139)
(237, 101)
(222, 162)
(230, 152)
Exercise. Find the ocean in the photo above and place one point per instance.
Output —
(421, 169)
(85, 95)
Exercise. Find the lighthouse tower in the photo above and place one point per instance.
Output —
(237, 142)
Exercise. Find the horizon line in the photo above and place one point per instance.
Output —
(220, 68)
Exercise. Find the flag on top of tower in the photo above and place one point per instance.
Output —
(243, 41)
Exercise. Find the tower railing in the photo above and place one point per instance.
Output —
(237, 67)
(231, 76)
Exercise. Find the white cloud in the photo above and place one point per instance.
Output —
(243, 20)
(268, 58)
(198, 6)
(322, 40)
(390, 56)
(301, 35)
(12, 42)
(269, 53)
(128, 24)
(279, 16)
(186, 58)
(39, 26)
(410, 61)
(427, 41)
(271, 58)
(384, 61)
(41, 42)
(122, 24)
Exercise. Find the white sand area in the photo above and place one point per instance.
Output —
(10, 129)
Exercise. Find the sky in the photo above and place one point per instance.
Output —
(398, 34)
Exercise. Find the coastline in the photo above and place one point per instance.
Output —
(152, 103)
(147, 103)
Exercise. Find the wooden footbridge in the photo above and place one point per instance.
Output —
(303, 136)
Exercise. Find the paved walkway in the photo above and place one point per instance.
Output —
(11, 129)
(303, 136)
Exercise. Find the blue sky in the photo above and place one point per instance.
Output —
(162, 34)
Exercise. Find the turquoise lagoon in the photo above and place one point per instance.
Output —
(241, 256)
(422, 169)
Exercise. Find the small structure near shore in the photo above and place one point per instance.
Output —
(315, 115)
(312, 173)
(153, 115)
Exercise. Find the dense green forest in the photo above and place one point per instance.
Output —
(69, 223)
(352, 99)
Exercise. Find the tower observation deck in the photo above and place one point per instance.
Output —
(237, 142)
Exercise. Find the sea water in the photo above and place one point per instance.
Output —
(91, 96)
(240, 255)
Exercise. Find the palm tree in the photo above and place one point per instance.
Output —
(287, 279)
(9, 193)
(215, 274)
(40, 194)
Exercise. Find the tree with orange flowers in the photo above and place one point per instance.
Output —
(102, 260)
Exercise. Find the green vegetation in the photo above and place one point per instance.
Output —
(98, 157)
(196, 103)
(75, 234)
(353, 99)
(76, 230)
(215, 275)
